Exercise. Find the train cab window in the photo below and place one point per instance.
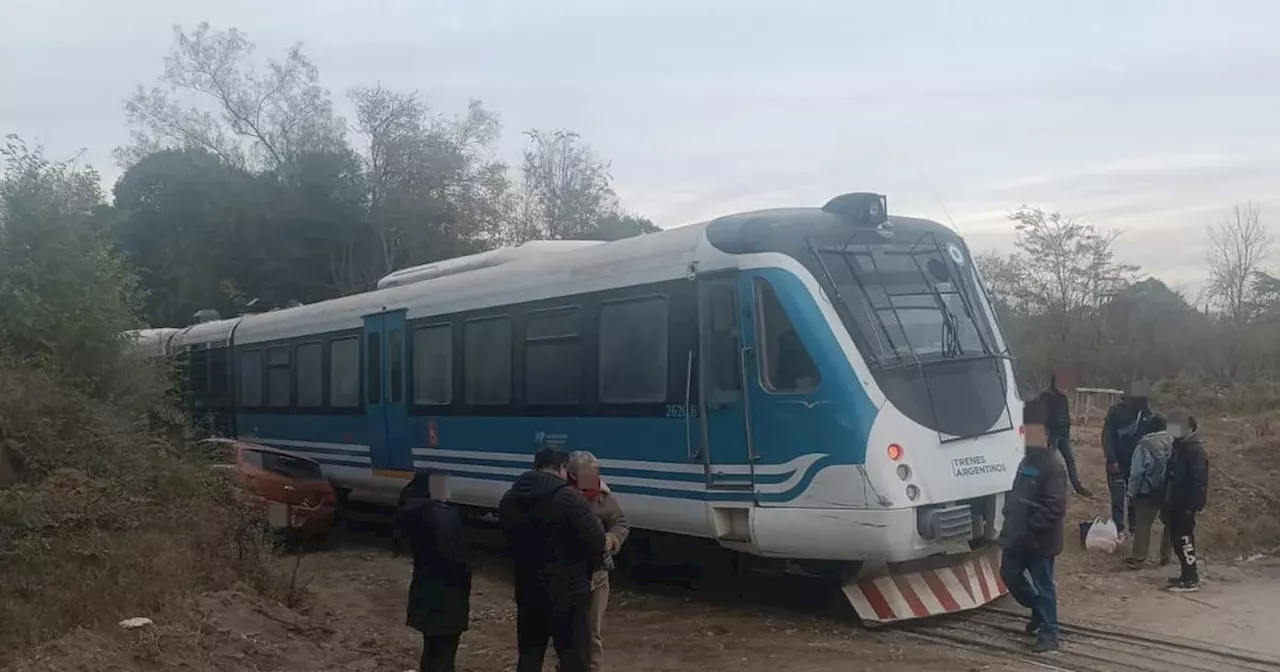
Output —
(309, 375)
(433, 365)
(279, 379)
(487, 362)
(251, 378)
(552, 357)
(633, 351)
(344, 372)
(785, 364)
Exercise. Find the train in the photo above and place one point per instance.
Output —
(822, 390)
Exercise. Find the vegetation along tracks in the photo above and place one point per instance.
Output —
(1086, 647)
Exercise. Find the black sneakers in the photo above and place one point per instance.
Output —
(1045, 644)
(1084, 492)
(1183, 586)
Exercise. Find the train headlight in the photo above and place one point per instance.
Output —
(913, 493)
(904, 472)
(895, 452)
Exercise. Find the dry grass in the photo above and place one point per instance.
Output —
(102, 518)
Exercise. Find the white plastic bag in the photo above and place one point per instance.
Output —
(1102, 536)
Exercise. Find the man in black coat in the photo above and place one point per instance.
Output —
(1058, 423)
(440, 594)
(1188, 490)
(1034, 512)
(556, 544)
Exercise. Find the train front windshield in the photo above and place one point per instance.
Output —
(910, 302)
(914, 307)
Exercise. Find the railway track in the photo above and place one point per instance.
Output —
(1086, 647)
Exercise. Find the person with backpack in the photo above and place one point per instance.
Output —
(1188, 490)
(1145, 490)
(1120, 433)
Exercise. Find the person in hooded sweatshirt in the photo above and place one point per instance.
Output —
(1031, 537)
(557, 543)
(440, 593)
(1121, 430)
(1146, 487)
(1188, 490)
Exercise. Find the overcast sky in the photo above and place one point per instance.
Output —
(1147, 116)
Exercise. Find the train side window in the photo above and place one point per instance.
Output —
(552, 357)
(251, 378)
(433, 365)
(487, 362)
(633, 351)
(219, 390)
(344, 372)
(373, 368)
(785, 364)
(279, 379)
(309, 375)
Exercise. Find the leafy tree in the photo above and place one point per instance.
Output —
(567, 188)
(185, 217)
(434, 190)
(249, 119)
(65, 294)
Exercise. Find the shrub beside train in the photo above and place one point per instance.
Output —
(824, 390)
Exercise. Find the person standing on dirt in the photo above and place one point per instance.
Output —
(1188, 490)
(1146, 487)
(556, 544)
(1034, 513)
(440, 593)
(1120, 433)
(1058, 424)
(584, 474)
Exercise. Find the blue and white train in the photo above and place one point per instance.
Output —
(818, 387)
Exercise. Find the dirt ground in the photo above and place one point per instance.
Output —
(349, 613)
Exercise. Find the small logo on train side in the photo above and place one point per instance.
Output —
(957, 255)
(974, 466)
(433, 439)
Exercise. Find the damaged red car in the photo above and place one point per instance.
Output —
(292, 490)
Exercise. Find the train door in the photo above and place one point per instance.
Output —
(386, 408)
(726, 437)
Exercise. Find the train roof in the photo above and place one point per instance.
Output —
(520, 277)
(639, 259)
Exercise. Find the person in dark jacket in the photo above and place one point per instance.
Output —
(1188, 490)
(440, 593)
(1032, 533)
(1121, 430)
(557, 544)
(1058, 424)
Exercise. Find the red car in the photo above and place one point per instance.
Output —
(291, 489)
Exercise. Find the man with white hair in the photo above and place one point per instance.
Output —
(584, 474)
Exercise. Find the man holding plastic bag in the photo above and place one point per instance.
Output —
(1032, 534)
